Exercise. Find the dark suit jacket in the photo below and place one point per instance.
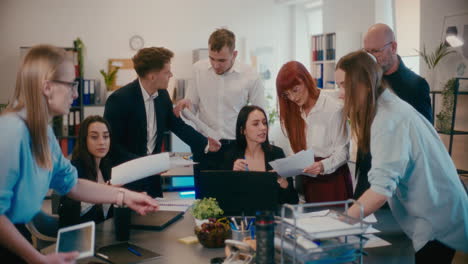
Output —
(288, 195)
(126, 113)
(70, 210)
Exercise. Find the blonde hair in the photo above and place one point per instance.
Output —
(41, 63)
(363, 81)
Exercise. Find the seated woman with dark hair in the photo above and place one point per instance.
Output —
(253, 150)
(92, 163)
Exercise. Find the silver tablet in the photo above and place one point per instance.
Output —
(77, 238)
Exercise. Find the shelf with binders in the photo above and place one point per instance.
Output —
(325, 50)
(453, 132)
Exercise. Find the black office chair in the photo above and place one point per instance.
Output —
(43, 228)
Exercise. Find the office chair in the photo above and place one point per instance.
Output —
(44, 229)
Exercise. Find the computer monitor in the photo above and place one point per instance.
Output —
(240, 192)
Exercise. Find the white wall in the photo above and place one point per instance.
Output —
(348, 16)
(407, 27)
(105, 26)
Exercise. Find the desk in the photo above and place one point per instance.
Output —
(165, 242)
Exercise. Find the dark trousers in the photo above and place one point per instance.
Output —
(152, 185)
(434, 252)
(209, 161)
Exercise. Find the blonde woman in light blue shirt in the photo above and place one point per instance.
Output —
(31, 162)
(410, 169)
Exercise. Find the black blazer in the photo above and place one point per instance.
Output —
(125, 111)
(288, 195)
(69, 210)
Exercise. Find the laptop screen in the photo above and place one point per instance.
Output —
(240, 192)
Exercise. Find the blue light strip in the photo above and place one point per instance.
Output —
(187, 194)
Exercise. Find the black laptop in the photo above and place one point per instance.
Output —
(240, 192)
(155, 220)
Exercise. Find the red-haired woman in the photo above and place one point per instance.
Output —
(313, 120)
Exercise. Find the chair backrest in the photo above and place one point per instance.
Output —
(44, 229)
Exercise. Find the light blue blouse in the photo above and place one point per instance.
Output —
(411, 166)
(23, 184)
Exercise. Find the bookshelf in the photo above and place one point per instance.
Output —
(66, 127)
(326, 49)
(452, 132)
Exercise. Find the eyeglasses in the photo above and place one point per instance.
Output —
(73, 85)
(293, 92)
(377, 51)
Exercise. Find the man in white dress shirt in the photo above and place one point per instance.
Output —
(221, 87)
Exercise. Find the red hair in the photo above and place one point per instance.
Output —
(291, 74)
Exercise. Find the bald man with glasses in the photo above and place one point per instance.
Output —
(410, 87)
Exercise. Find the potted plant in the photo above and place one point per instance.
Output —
(444, 117)
(204, 209)
(109, 77)
(211, 230)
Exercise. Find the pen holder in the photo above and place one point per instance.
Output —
(239, 235)
(122, 223)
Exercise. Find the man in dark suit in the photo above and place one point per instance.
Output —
(140, 113)
(410, 87)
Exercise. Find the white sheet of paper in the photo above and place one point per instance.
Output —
(146, 166)
(372, 242)
(179, 205)
(202, 127)
(295, 164)
(370, 219)
(180, 162)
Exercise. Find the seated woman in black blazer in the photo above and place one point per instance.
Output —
(253, 151)
(92, 163)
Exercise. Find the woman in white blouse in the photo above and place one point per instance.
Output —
(312, 120)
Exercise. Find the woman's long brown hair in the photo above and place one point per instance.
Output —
(363, 85)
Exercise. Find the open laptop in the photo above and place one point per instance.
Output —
(240, 192)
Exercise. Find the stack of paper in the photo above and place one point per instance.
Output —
(179, 205)
(295, 164)
(146, 166)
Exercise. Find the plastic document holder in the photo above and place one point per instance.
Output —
(329, 236)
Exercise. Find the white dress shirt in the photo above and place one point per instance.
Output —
(411, 166)
(217, 99)
(151, 127)
(324, 132)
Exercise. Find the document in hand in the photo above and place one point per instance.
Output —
(146, 166)
(206, 130)
(294, 165)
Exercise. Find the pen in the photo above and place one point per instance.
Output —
(234, 222)
(246, 165)
(232, 226)
(252, 232)
(102, 255)
(134, 251)
(250, 223)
